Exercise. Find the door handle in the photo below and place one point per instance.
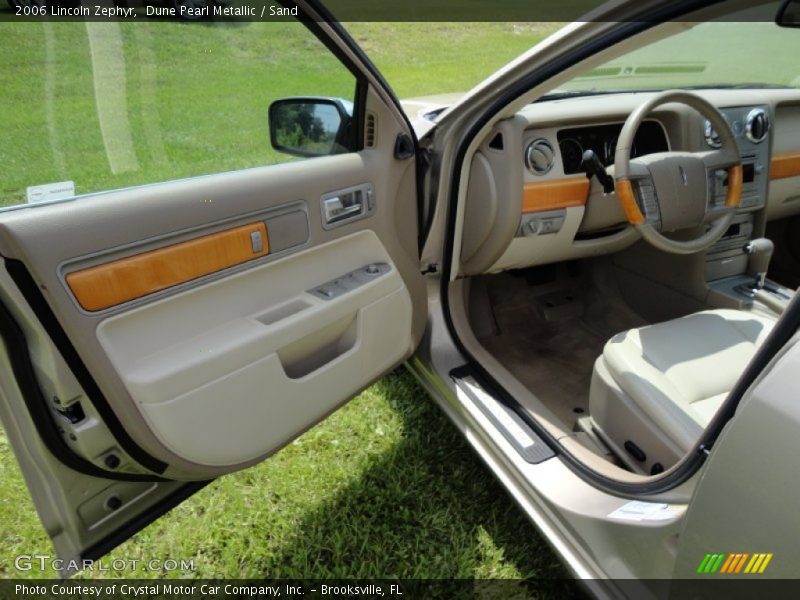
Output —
(341, 207)
(346, 205)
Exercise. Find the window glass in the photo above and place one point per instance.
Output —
(89, 107)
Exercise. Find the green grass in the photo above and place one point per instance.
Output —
(386, 487)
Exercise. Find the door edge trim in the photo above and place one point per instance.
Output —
(13, 338)
(33, 296)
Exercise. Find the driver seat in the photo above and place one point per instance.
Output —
(656, 388)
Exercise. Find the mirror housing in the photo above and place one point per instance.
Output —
(788, 14)
(311, 126)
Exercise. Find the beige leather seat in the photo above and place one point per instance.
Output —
(656, 388)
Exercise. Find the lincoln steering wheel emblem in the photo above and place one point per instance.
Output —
(684, 178)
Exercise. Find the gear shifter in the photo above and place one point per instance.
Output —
(760, 251)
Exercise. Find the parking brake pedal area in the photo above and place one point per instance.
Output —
(524, 440)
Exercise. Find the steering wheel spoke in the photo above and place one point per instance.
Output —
(672, 191)
(725, 176)
(644, 188)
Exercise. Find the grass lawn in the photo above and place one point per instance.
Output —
(386, 487)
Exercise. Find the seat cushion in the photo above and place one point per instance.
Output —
(679, 372)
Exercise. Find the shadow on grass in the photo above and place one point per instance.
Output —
(427, 508)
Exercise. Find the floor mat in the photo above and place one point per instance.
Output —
(550, 336)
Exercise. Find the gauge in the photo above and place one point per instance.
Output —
(571, 155)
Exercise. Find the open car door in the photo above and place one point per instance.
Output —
(162, 335)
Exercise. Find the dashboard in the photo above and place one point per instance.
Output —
(530, 202)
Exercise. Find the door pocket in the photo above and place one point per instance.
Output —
(311, 353)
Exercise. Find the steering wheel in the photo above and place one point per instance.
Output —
(670, 191)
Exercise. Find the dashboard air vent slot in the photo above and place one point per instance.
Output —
(539, 157)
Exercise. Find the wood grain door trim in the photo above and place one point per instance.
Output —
(118, 281)
(558, 193)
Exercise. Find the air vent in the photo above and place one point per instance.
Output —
(539, 157)
(711, 136)
(757, 126)
(370, 131)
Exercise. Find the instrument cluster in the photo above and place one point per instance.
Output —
(602, 139)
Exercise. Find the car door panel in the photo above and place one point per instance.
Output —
(189, 348)
(109, 228)
(279, 356)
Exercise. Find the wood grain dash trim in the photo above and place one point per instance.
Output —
(785, 165)
(110, 284)
(558, 193)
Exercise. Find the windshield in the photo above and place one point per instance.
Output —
(707, 55)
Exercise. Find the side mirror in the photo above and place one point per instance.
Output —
(310, 126)
(788, 14)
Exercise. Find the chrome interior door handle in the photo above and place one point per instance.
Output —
(338, 208)
(346, 205)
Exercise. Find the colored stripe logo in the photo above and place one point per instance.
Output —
(737, 563)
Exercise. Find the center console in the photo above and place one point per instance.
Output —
(750, 125)
(728, 257)
(729, 264)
